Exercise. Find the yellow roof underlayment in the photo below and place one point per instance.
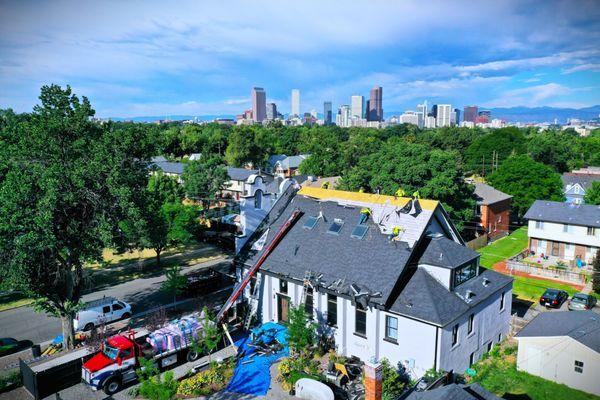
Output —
(331, 194)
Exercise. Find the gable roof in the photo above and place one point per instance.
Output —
(286, 162)
(167, 167)
(454, 391)
(486, 194)
(564, 213)
(446, 253)
(240, 174)
(583, 326)
(584, 180)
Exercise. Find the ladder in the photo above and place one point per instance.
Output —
(306, 284)
(253, 303)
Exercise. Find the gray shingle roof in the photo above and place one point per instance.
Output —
(287, 162)
(488, 195)
(585, 180)
(167, 167)
(583, 326)
(443, 252)
(455, 392)
(240, 174)
(565, 213)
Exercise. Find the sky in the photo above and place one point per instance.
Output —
(162, 58)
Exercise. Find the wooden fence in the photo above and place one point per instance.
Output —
(547, 272)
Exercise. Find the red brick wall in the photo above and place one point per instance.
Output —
(490, 215)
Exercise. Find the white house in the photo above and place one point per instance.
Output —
(565, 230)
(563, 347)
(399, 285)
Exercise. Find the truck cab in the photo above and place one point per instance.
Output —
(114, 365)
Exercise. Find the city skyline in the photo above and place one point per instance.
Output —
(191, 60)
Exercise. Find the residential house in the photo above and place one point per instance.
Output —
(170, 168)
(565, 230)
(454, 391)
(492, 210)
(563, 347)
(575, 184)
(285, 166)
(330, 182)
(400, 284)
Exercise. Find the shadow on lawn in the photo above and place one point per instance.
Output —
(510, 396)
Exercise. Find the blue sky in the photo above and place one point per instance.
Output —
(139, 58)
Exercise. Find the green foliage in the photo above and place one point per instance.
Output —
(153, 386)
(592, 194)
(393, 382)
(596, 269)
(432, 374)
(209, 381)
(175, 282)
(210, 337)
(204, 178)
(10, 381)
(526, 180)
(558, 149)
(66, 183)
(302, 332)
(505, 142)
(164, 188)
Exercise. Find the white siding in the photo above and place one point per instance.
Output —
(552, 231)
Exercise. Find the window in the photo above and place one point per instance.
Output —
(310, 223)
(579, 366)
(465, 273)
(391, 328)
(478, 210)
(455, 335)
(472, 359)
(106, 309)
(591, 231)
(499, 219)
(576, 191)
(471, 320)
(331, 310)
(308, 304)
(258, 199)
(336, 226)
(359, 231)
(502, 301)
(125, 353)
(567, 228)
(489, 346)
(117, 307)
(539, 225)
(360, 321)
(283, 286)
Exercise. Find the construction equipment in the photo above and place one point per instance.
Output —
(253, 302)
(239, 289)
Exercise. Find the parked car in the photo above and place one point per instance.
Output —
(202, 282)
(582, 301)
(553, 298)
(101, 311)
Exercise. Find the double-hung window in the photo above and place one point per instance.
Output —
(391, 328)
(360, 321)
(455, 335)
(331, 310)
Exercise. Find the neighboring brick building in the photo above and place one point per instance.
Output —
(493, 210)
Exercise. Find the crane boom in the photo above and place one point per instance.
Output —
(239, 289)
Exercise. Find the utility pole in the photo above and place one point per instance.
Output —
(483, 165)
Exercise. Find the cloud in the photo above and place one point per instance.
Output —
(532, 96)
(594, 67)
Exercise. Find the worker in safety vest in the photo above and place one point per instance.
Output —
(364, 215)
(395, 232)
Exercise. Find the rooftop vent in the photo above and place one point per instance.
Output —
(486, 282)
(469, 294)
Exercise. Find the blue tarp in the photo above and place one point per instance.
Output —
(254, 377)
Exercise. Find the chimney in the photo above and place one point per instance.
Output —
(373, 380)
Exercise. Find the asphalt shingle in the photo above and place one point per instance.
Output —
(565, 213)
(446, 253)
(486, 194)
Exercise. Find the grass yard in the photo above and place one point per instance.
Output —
(13, 300)
(532, 289)
(504, 248)
(498, 374)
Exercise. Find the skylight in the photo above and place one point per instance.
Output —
(359, 231)
(310, 223)
(336, 226)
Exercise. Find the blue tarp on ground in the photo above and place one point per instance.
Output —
(254, 377)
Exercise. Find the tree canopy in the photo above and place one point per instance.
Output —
(592, 194)
(204, 178)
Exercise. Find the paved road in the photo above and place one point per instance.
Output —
(25, 324)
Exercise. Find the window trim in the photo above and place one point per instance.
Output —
(387, 328)
(283, 284)
(455, 340)
(359, 310)
(578, 366)
(471, 326)
(502, 301)
(332, 299)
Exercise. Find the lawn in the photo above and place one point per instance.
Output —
(532, 289)
(499, 375)
(13, 300)
(504, 248)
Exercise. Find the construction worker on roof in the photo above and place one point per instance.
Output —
(400, 193)
(416, 195)
(364, 215)
(325, 185)
(396, 230)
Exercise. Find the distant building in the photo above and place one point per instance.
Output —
(271, 111)
(296, 102)
(443, 115)
(259, 104)
(484, 116)
(410, 117)
(313, 113)
(358, 106)
(422, 108)
(430, 122)
(433, 112)
(492, 210)
(456, 116)
(344, 116)
(285, 166)
(576, 184)
(327, 113)
(470, 114)
(375, 111)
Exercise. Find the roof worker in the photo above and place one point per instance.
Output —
(400, 193)
(396, 230)
(364, 215)
(325, 185)
(416, 195)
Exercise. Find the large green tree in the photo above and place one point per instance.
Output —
(558, 149)
(479, 156)
(67, 184)
(592, 194)
(204, 178)
(526, 180)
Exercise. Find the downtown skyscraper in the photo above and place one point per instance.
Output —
(470, 113)
(327, 113)
(357, 106)
(259, 104)
(375, 109)
(295, 102)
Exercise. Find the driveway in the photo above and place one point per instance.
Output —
(25, 324)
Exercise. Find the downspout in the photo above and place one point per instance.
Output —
(437, 330)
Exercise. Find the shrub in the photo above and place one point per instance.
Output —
(153, 386)
(10, 381)
(393, 381)
(207, 382)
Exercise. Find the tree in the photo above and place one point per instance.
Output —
(302, 333)
(596, 273)
(175, 282)
(526, 180)
(592, 194)
(557, 149)
(165, 188)
(504, 142)
(204, 179)
(68, 183)
(210, 336)
(153, 385)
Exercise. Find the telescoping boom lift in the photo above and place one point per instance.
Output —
(239, 289)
